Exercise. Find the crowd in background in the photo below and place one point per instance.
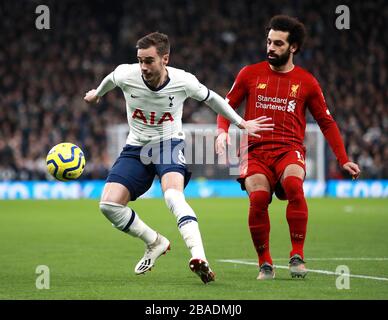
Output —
(44, 74)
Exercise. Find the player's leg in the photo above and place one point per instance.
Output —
(259, 190)
(113, 205)
(172, 186)
(127, 180)
(174, 177)
(297, 216)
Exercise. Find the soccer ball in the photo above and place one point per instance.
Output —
(65, 161)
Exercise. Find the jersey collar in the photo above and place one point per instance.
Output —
(278, 72)
(158, 88)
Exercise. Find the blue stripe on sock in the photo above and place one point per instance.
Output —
(185, 220)
(126, 228)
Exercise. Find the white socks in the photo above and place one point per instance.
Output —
(126, 220)
(187, 222)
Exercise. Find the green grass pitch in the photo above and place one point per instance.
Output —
(89, 259)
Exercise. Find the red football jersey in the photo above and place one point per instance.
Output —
(284, 97)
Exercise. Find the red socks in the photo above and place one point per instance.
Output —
(297, 213)
(259, 224)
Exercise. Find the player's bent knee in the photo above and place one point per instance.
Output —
(115, 193)
(293, 187)
(257, 182)
(115, 213)
(259, 199)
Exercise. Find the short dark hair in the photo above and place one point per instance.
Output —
(296, 29)
(158, 40)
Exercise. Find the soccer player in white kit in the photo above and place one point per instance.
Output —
(154, 95)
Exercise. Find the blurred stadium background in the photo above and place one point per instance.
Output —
(45, 73)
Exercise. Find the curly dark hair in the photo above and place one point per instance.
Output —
(296, 29)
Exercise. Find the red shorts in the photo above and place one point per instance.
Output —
(272, 164)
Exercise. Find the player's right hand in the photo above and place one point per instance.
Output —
(221, 141)
(92, 97)
(257, 125)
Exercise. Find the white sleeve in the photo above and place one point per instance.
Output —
(114, 79)
(195, 89)
(222, 107)
(106, 85)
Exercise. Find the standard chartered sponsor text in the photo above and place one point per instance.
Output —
(271, 106)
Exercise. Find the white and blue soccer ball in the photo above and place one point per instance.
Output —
(65, 161)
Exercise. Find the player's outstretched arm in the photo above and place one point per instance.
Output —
(220, 106)
(352, 168)
(93, 96)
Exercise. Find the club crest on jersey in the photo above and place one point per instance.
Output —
(294, 90)
(171, 101)
(138, 114)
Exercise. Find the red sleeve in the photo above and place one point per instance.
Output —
(235, 96)
(318, 108)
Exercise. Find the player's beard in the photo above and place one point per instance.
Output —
(278, 61)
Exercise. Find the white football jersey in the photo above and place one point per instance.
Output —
(155, 114)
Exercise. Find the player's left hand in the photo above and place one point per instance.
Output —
(352, 169)
(257, 125)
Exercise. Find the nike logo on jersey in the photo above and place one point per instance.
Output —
(133, 96)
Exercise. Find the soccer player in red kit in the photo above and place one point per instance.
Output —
(275, 162)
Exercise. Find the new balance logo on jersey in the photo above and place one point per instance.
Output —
(291, 106)
(138, 114)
